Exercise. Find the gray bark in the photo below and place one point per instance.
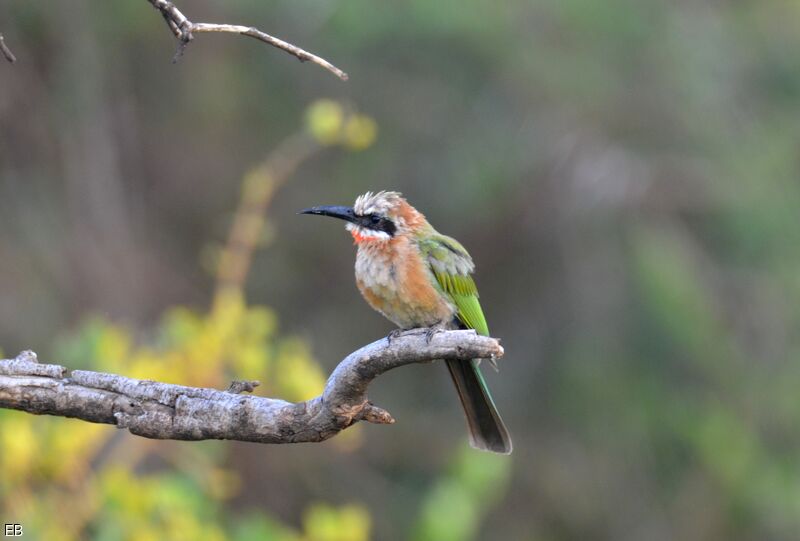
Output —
(165, 411)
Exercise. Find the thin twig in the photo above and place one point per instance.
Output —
(8, 54)
(183, 29)
(258, 189)
(164, 411)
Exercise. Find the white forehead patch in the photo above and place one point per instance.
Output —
(376, 203)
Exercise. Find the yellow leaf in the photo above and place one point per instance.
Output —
(360, 132)
(324, 119)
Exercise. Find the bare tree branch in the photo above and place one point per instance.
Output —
(183, 29)
(6, 51)
(164, 411)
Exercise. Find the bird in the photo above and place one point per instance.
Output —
(419, 278)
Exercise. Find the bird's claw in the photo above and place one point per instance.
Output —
(430, 332)
(393, 334)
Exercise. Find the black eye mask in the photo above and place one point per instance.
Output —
(377, 223)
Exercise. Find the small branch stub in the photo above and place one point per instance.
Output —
(158, 410)
(239, 387)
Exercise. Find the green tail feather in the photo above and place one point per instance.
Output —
(451, 266)
(486, 429)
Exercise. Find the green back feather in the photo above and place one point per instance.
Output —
(451, 265)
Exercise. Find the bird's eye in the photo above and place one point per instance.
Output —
(375, 219)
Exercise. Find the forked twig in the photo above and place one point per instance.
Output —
(183, 29)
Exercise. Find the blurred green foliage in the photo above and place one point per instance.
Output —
(625, 175)
(454, 507)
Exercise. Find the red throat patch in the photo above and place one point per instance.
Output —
(358, 238)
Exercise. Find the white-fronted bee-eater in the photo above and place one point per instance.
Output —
(417, 277)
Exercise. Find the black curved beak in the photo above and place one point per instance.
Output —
(343, 213)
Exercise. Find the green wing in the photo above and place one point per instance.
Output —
(452, 266)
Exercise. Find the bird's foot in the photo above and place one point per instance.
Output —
(394, 334)
(430, 332)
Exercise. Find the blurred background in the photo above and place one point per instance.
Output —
(626, 175)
